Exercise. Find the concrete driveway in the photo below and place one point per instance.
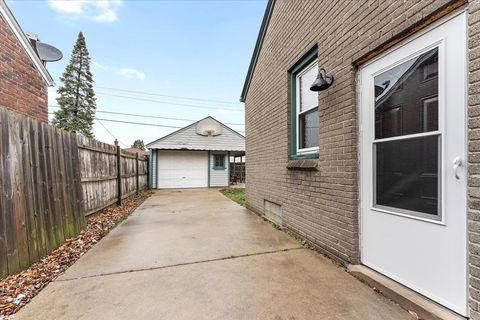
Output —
(194, 254)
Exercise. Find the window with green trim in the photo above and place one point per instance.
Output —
(305, 130)
(219, 162)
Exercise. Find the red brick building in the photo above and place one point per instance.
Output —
(381, 169)
(23, 77)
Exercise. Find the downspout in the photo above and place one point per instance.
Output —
(208, 168)
(150, 173)
(156, 168)
(228, 169)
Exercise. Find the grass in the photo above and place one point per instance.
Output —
(235, 194)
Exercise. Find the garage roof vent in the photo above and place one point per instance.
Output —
(208, 127)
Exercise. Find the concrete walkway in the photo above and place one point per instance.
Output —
(194, 254)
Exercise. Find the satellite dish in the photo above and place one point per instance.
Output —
(48, 53)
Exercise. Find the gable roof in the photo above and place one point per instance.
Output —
(258, 46)
(24, 42)
(136, 150)
(188, 139)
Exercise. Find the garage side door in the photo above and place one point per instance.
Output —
(182, 169)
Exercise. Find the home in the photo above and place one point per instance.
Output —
(137, 150)
(363, 130)
(197, 156)
(23, 76)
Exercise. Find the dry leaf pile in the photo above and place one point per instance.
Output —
(18, 289)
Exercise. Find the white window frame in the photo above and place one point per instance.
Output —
(298, 89)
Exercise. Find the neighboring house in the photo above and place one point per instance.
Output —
(381, 168)
(23, 76)
(137, 150)
(196, 156)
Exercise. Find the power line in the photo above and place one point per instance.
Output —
(166, 96)
(166, 102)
(148, 116)
(111, 133)
(132, 122)
(140, 123)
(144, 124)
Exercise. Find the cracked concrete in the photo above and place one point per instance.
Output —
(194, 254)
(175, 265)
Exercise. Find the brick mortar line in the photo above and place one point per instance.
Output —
(181, 264)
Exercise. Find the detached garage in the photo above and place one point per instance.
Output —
(197, 156)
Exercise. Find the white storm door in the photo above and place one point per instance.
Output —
(413, 164)
(182, 169)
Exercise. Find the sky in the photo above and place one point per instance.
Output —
(169, 59)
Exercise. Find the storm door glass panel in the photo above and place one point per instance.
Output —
(400, 93)
(407, 143)
(407, 174)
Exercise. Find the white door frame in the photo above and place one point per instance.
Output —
(445, 162)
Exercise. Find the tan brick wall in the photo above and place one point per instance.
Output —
(474, 156)
(22, 88)
(321, 206)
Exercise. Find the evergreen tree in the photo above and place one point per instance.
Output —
(76, 96)
(138, 144)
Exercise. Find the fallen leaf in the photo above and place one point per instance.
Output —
(18, 289)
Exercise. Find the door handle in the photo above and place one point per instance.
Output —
(457, 162)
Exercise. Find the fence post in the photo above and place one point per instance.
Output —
(119, 177)
(138, 175)
(241, 170)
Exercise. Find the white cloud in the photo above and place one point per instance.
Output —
(99, 65)
(132, 73)
(107, 16)
(125, 72)
(95, 10)
(66, 6)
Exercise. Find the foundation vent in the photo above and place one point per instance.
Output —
(273, 212)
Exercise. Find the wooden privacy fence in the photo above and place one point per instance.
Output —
(40, 190)
(109, 174)
(49, 180)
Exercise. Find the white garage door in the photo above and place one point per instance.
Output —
(182, 169)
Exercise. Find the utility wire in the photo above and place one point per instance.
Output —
(167, 96)
(141, 123)
(167, 102)
(111, 133)
(106, 129)
(145, 124)
(148, 116)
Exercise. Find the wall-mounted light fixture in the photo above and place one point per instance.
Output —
(323, 81)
